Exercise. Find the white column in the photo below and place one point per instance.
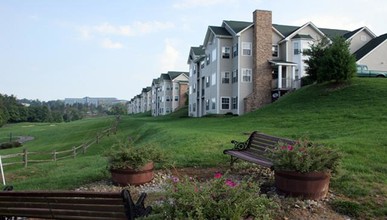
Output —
(279, 76)
(294, 77)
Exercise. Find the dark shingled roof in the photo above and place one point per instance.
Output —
(370, 46)
(198, 50)
(164, 76)
(350, 34)
(304, 36)
(219, 31)
(174, 74)
(238, 26)
(285, 30)
(332, 33)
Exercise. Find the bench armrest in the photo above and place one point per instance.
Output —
(240, 145)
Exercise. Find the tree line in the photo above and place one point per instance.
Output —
(24, 110)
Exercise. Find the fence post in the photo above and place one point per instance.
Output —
(74, 152)
(54, 155)
(2, 171)
(25, 157)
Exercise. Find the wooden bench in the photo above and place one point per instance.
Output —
(71, 205)
(256, 148)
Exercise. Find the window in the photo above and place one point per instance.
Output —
(226, 52)
(246, 48)
(225, 77)
(225, 103)
(234, 76)
(274, 50)
(207, 81)
(194, 88)
(207, 104)
(234, 102)
(235, 50)
(213, 79)
(202, 64)
(194, 107)
(208, 58)
(194, 68)
(213, 103)
(246, 75)
(296, 49)
(213, 55)
(176, 98)
(168, 98)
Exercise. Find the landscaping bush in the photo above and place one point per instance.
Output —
(10, 145)
(218, 198)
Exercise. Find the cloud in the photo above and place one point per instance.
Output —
(169, 57)
(199, 3)
(109, 44)
(135, 29)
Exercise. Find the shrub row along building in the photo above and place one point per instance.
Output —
(242, 66)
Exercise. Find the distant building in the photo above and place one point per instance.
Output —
(93, 101)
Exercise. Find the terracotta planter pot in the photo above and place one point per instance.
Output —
(124, 177)
(312, 185)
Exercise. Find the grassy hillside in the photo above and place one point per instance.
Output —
(351, 118)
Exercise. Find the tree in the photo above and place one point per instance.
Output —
(331, 62)
(315, 53)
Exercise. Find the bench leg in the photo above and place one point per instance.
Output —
(232, 161)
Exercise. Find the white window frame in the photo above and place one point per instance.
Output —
(213, 103)
(247, 48)
(213, 79)
(275, 50)
(221, 103)
(235, 50)
(213, 55)
(234, 102)
(226, 77)
(208, 81)
(247, 73)
(226, 52)
(234, 77)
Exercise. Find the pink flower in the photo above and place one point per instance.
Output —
(175, 179)
(290, 147)
(217, 175)
(230, 183)
(283, 148)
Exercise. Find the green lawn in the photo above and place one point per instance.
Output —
(352, 119)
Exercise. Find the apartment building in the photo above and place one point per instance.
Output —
(242, 66)
(169, 92)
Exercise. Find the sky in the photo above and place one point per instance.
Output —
(56, 49)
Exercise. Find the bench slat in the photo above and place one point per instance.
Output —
(53, 205)
(69, 200)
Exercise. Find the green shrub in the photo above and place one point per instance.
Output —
(10, 145)
(124, 155)
(305, 156)
(218, 198)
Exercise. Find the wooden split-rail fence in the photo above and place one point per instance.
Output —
(26, 156)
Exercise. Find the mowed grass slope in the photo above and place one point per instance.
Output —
(351, 118)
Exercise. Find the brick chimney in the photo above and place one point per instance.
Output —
(262, 71)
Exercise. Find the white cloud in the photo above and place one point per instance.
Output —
(169, 57)
(109, 44)
(134, 29)
(199, 3)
